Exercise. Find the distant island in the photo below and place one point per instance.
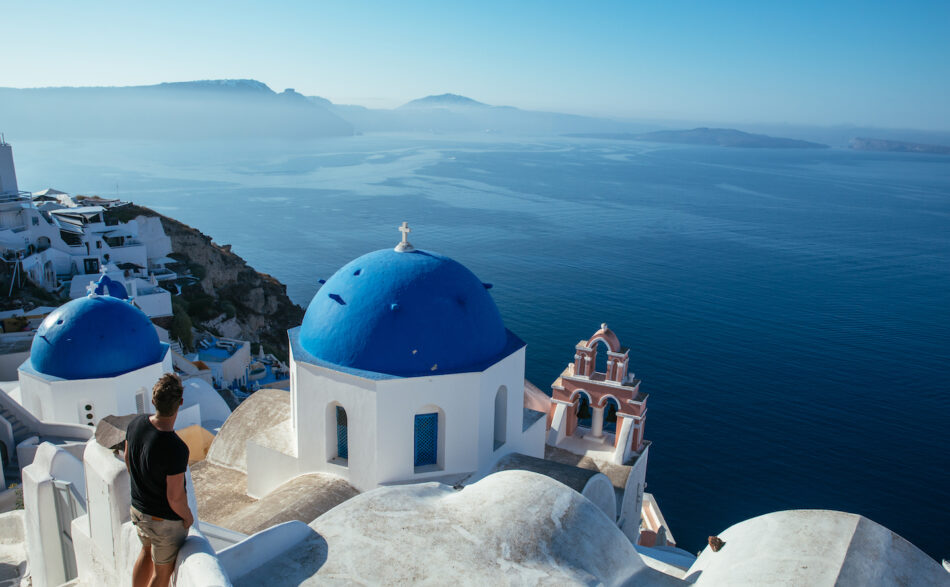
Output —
(446, 101)
(864, 144)
(723, 137)
(447, 113)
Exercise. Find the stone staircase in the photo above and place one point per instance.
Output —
(25, 425)
(11, 465)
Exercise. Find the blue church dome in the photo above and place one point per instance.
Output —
(404, 313)
(95, 337)
(111, 287)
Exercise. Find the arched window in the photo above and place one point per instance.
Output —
(342, 447)
(601, 349)
(584, 413)
(426, 447)
(501, 416)
(337, 435)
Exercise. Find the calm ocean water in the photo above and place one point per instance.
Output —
(787, 311)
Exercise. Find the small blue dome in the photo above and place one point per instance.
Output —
(407, 314)
(111, 287)
(95, 337)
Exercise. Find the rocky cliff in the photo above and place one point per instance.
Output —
(227, 297)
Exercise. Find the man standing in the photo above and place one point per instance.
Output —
(157, 460)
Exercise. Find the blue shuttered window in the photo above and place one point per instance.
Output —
(427, 439)
(342, 450)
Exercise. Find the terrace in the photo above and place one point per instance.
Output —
(217, 350)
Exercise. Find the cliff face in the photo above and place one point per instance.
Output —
(230, 297)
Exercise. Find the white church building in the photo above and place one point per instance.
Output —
(403, 371)
(94, 356)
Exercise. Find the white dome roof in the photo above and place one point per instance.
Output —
(214, 410)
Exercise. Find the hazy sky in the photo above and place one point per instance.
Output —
(830, 62)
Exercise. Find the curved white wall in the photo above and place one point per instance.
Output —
(601, 492)
(51, 399)
(198, 392)
(381, 421)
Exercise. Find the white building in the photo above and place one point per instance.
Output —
(93, 356)
(52, 244)
(412, 378)
(403, 371)
(227, 358)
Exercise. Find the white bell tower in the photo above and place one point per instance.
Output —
(7, 171)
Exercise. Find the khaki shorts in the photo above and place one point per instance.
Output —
(164, 536)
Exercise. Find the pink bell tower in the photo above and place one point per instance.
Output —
(616, 388)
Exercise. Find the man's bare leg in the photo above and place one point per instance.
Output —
(162, 575)
(142, 571)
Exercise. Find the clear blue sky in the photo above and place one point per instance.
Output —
(868, 63)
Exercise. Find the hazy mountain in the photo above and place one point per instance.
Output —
(193, 110)
(448, 113)
(318, 100)
(249, 86)
(450, 101)
(246, 108)
(723, 137)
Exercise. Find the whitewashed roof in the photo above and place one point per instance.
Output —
(814, 547)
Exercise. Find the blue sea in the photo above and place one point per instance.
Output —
(787, 310)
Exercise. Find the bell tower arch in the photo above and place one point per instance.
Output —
(613, 394)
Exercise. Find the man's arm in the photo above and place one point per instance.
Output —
(125, 453)
(178, 497)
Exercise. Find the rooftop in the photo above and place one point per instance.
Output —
(574, 477)
(617, 474)
(512, 527)
(407, 314)
(223, 501)
(215, 350)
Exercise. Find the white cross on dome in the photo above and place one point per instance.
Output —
(404, 246)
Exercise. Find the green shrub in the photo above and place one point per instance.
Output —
(180, 303)
(228, 308)
(181, 327)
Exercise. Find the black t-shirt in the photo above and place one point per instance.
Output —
(153, 455)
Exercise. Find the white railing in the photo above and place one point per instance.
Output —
(16, 197)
